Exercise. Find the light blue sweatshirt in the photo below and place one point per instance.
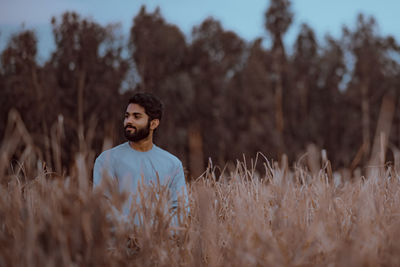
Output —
(127, 166)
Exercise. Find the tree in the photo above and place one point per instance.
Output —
(251, 101)
(329, 104)
(86, 71)
(301, 100)
(278, 19)
(159, 52)
(21, 87)
(215, 56)
(158, 48)
(368, 79)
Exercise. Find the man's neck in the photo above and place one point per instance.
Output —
(143, 145)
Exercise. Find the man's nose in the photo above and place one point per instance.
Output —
(129, 120)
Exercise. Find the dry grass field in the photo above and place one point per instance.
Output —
(286, 216)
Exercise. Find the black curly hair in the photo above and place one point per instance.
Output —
(151, 104)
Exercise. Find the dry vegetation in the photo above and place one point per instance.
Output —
(284, 217)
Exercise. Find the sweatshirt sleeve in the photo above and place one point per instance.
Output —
(178, 186)
(102, 167)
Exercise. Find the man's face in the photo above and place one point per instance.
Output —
(136, 123)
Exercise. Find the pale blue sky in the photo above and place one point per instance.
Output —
(244, 17)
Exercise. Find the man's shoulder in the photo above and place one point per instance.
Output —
(107, 154)
(168, 156)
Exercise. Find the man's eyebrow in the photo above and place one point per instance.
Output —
(133, 113)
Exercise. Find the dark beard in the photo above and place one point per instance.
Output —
(139, 134)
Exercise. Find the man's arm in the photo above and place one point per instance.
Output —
(102, 168)
(178, 187)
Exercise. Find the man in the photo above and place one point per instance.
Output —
(139, 159)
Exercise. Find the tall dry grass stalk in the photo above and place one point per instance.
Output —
(284, 217)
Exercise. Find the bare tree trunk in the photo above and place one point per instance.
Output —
(382, 133)
(47, 146)
(45, 131)
(365, 120)
(279, 59)
(196, 164)
(279, 107)
(303, 98)
(81, 126)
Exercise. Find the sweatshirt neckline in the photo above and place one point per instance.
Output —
(141, 152)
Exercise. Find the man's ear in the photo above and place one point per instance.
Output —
(154, 124)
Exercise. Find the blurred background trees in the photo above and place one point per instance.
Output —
(223, 96)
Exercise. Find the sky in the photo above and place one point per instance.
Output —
(246, 18)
